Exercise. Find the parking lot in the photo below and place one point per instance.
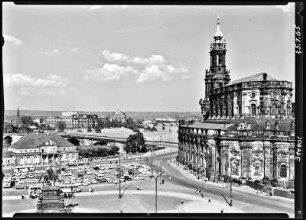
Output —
(83, 176)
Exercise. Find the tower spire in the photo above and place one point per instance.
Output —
(218, 33)
(18, 113)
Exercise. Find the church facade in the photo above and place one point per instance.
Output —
(247, 129)
(258, 95)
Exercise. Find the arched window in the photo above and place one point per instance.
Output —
(274, 109)
(283, 171)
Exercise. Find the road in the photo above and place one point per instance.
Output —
(243, 200)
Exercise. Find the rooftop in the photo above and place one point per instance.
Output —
(255, 77)
(35, 140)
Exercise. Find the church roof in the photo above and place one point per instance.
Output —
(35, 140)
(255, 77)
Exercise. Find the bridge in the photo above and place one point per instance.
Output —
(94, 137)
(106, 138)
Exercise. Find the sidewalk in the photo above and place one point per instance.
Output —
(241, 188)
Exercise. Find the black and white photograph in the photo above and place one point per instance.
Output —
(149, 109)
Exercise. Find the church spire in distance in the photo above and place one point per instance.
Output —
(18, 113)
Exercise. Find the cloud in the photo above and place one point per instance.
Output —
(109, 72)
(113, 57)
(154, 59)
(50, 53)
(164, 72)
(95, 7)
(11, 39)
(152, 68)
(75, 49)
(29, 85)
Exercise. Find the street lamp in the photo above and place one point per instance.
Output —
(231, 182)
(156, 177)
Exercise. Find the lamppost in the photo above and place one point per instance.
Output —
(231, 183)
(151, 161)
(156, 177)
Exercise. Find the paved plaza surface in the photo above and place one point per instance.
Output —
(179, 185)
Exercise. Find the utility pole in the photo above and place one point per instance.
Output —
(119, 177)
(231, 201)
(156, 177)
(151, 162)
(160, 171)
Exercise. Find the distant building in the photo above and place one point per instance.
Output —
(119, 116)
(38, 148)
(14, 120)
(69, 114)
(74, 120)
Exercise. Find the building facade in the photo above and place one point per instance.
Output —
(73, 121)
(258, 95)
(247, 130)
(38, 148)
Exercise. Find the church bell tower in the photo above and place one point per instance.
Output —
(217, 76)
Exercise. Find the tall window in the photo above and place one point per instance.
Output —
(274, 109)
(253, 109)
(283, 171)
(257, 169)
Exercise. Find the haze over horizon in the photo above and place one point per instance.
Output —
(140, 58)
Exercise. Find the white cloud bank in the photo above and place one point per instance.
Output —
(11, 39)
(29, 85)
(117, 65)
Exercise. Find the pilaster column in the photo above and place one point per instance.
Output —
(274, 160)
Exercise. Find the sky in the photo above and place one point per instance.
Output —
(138, 58)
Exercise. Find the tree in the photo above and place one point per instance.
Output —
(134, 142)
(88, 129)
(61, 126)
(26, 120)
(9, 128)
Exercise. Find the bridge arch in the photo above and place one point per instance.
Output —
(74, 141)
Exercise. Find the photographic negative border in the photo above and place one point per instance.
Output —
(298, 103)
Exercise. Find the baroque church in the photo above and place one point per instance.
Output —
(257, 95)
(247, 130)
